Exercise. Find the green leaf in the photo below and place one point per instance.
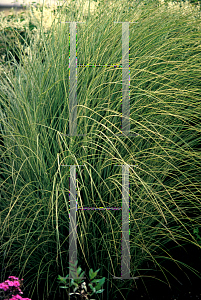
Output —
(62, 279)
(97, 271)
(75, 289)
(78, 281)
(74, 263)
(90, 273)
(81, 275)
(74, 276)
(72, 268)
(94, 274)
(79, 271)
(101, 282)
(75, 284)
(100, 291)
(78, 278)
(95, 281)
(93, 289)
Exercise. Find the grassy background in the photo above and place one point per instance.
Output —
(164, 111)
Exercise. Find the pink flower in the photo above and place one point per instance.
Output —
(18, 297)
(12, 286)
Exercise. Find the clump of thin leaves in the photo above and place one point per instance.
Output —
(165, 111)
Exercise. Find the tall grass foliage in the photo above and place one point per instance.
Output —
(165, 112)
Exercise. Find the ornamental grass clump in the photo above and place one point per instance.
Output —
(164, 157)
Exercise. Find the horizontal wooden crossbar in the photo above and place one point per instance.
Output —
(101, 208)
(114, 65)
